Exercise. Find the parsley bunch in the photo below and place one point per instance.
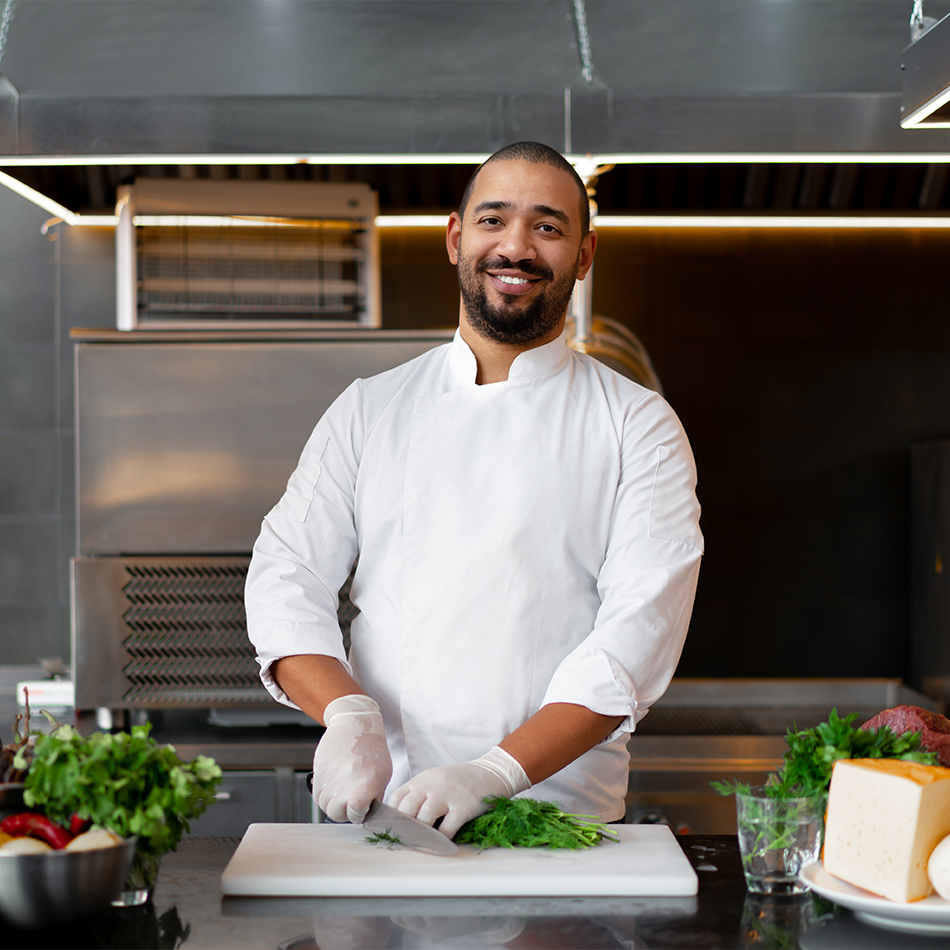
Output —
(526, 823)
(812, 753)
(124, 782)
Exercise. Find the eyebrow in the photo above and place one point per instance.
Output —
(501, 205)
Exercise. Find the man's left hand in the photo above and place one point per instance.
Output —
(454, 793)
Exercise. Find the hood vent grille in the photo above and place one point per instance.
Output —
(189, 635)
(247, 272)
(170, 632)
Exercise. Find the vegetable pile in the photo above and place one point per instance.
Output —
(125, 783)
(526, 823)
(806, 771)
(33, 833)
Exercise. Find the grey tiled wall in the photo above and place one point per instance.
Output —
(48, 284)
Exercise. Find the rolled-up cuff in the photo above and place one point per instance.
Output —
(592, 678)
(301, 643)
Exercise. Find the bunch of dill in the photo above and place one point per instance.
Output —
(526, 823)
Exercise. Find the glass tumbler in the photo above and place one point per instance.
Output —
(777, 838)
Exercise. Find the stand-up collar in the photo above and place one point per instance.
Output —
(538, 361)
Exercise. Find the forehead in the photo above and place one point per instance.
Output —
(526, 185)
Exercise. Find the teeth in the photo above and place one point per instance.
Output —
(504, 278)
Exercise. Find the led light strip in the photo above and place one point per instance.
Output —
(471, 158)
(234, 221)
(769, 221)
(440, 221)
(206, 159)
(47, 204)
(918, 118)
(602, 221)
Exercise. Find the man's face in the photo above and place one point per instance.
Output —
(519, 251)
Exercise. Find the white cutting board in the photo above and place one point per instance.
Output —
(291, 860)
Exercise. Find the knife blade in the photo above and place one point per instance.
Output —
(385, 820)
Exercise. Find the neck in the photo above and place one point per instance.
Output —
(492, 358)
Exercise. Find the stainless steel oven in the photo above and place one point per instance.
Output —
(184, 443)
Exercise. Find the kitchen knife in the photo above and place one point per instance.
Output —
(385, 820)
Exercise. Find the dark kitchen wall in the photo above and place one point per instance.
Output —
(803, 364)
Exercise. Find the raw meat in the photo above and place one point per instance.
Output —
(934, 729)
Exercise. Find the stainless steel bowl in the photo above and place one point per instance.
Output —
(55, 888)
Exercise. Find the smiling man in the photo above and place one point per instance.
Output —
(527, 536)
(527, 241)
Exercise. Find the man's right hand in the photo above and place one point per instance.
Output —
(351, 765)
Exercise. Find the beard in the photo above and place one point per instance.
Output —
(508, 322)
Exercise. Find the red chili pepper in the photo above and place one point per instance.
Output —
(37, 826)
(78, 825)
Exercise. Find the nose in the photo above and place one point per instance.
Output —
(516, 243)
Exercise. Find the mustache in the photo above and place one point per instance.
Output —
(526, 267)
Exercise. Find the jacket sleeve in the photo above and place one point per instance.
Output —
(647, 581)
(307, 547)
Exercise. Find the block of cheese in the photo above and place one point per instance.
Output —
(884, 818)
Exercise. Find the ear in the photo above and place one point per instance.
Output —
(586, 257)
(453, 234)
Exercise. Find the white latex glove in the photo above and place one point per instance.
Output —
(351, 765)
(456, 791)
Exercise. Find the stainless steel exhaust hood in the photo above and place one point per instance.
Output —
(107, 78)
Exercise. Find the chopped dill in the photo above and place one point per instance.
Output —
(384, 837)
(527, 823)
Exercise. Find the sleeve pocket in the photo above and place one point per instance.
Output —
(674, 510)
(297, 499)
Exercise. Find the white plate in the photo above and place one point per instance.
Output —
(930, 915)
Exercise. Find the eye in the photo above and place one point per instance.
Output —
(490, 220)
(549, 229)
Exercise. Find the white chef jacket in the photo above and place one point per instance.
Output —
(526, 542)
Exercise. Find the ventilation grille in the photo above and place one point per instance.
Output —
(187, 634)
(673, 721)
(245, 272)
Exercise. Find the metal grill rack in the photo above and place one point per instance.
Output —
(252, 273)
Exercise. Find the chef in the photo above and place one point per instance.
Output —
(525, 531)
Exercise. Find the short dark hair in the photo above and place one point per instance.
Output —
(534, 153)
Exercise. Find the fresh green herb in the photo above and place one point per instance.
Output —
(124, 782)
(812, 753)
(526, 823)
(384, 837)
